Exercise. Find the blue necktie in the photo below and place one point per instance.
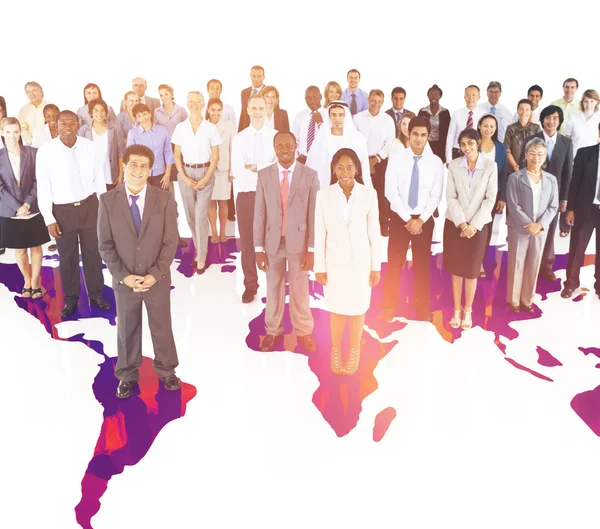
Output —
(550, 147)
(135, 213)
(493, 110)
(413, 193)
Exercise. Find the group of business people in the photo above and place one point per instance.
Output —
(319, 196)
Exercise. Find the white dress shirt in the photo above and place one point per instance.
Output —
(458, 123)
(141, 201)
(502, 114)
(300, 129)
(547, 139)
(100, 142)
(583, 132)
(66, 175)
(398, 176)
(31, 118)
(379, 130)
(196, 147)
(243, 153)
(345, 205)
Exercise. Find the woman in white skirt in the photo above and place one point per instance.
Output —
(223, 177)
(347, 253)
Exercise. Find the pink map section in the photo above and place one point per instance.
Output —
(383, 421)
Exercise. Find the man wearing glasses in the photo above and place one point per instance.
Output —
(69, 184)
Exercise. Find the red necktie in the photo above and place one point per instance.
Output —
(311, 133)
(470, 120)
(284, 188)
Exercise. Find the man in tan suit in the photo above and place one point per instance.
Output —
(284, 217)
(137, 237)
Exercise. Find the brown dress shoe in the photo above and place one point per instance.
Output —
(172, 383)
(268, 343)
(248, 296)
(514, 308)
(308, 342)
(527, 308)
(125, 389)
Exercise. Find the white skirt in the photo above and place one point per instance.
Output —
(347, 291)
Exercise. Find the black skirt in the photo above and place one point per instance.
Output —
(23, 233)
(462, 256)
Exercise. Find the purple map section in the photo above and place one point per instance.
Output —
(546, 359)
(217, 254)
(587, 406)
(590, 351)
(516, 364)
(383, 421)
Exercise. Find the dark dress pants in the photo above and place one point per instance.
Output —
(245, 218)
(421, 251)
(78, 225)
(378, 178)
(548, 256)
(581, 233)
(129, 330)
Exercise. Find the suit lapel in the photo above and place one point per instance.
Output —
(296, 176)
(593, 172)
(464, 176)
(356, 202)
(125, 209)
(24, 165)
(275, 185)
(148, 206)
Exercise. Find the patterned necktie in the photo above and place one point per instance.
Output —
(413, 193)
(353, 105)
(311, 133)
(254, 92)
(135, 213)
(550, 148)
(470, 120)
(493, 110)
(284, 189)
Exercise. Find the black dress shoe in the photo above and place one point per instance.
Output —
(68, 310)
(200, 271)
(172, 383)
(2, 251)
(52, 248)
(231, 218)
(527, 308)
(308, 342)
(125, 389)
(248, 296)
(548, 274)
(100, 303)
(269, 342)
(567, 292)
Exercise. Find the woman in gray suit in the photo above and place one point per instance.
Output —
(108, 145)
(471, 195)
(22, 227)
(532, 203)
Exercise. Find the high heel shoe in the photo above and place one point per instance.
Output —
(467, 322)
(353, 360)
(455, 320)
(336, 361)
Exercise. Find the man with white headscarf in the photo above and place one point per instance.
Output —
(328, 141)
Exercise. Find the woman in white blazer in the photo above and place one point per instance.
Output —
(471, 195)
(532, 204)
(347, 253)
(223, 176)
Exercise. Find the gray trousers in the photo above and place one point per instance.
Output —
(524, 259)
(300, 313)
(129, 330)
(245, 216)
(195, 205)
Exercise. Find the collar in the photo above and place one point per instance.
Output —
(141, 129)
(141, 194)
(291, 168)
(256, 131)
(478, 163)
(341, 191)
(548, 138)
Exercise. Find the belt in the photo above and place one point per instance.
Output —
(80, 203)
(197, 165)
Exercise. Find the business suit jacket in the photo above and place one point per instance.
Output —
(281, 122)
(244, 117)
(519, 210)
(300, 213)
(392, 114)
(13, 196)
(471, 203)
(561, 164)
(583, 184)
(439, 147)
(115, 146)
(123, 251)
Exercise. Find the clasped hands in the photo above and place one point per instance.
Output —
(200, 184)
(468, 232)
(140, 283)
(23, 211)
(534, 228)
(374, 278)
(414, 226)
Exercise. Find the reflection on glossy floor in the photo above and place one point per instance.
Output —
(493, 427)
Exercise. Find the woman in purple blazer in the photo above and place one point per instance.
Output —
(22, 227)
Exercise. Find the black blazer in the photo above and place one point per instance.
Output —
(13, 196)
(583, 184)
(443, 129)
(561, 164)
(244, 117)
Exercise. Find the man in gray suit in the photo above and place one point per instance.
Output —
(139, 86)
(284, 218)
(137, 237)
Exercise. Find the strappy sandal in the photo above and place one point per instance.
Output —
(353, 360)
(336, 361)
(26, 293)
(36, 293)
(455, 320)
(214, 239)
(467, 322)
